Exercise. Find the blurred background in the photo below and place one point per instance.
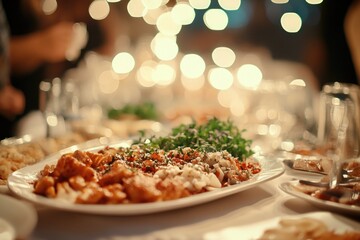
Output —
(259, 62)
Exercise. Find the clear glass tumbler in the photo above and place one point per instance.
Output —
(339, 126)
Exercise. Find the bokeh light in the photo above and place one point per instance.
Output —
(123, 62)
(239, 106)
(220, 78)
(230, 4)
(200, 4)
(166, 24)
(226, 97)
(314, 2)
(163, 74)
(145, 73)
(183, 13)
(280, 1)
(151, 16)
(193, 84)
(223, 56)
(249, 76)
(298, 82)
(192, 65)
(164, 47)
(136, 8)
(99, 9)
(152, 4)
(216, 19)
(49, 6)
(291, 22)
(107, 82)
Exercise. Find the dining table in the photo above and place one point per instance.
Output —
(223, 218)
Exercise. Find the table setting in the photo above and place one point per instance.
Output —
(260, 202)
(229, 143)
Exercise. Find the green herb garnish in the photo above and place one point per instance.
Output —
(146, 110)
(213, 136)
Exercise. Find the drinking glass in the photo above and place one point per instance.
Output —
(50, 107)
(338, 128)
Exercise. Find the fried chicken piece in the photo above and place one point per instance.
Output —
(43, 184)
(117, 173)
(69, 166)
(142, 188)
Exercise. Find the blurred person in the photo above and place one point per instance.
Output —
(39, 42)
(11, 100)
(337, 57)
(352, 34)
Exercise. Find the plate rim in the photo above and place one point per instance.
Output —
(20, 187)
(288, 187)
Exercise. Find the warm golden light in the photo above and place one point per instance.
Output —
(151, 16)
(163, 74)
(314, 2)
(193, 84)
(108, 83)
(192, 66)
(166, 24)
(226, 97)
(291, 22)
(136, 8)
(200, 4)
(223, 56)
(123, 63)
(183, 13)
(52, 120)
(145, 73)
(49, 6)
(239, 106)
(280, 1)
(298, 82)
(220, 78)
(99, 9)
(164, 47)
(249, 76)
(216, 19)
(230, 4)
(152, 4)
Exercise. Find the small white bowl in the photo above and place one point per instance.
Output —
(20, 215)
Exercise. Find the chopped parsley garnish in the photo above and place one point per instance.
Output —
(146, 110)
(213, 136)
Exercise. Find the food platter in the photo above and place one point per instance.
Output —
(289, 187)
(20, 183)
(334, 222)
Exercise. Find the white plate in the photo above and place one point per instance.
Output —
(253, 231)
(20, 183)
(84, 145)
(18, 214)
(288, 187)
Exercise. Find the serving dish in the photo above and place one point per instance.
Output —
(21, 181)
